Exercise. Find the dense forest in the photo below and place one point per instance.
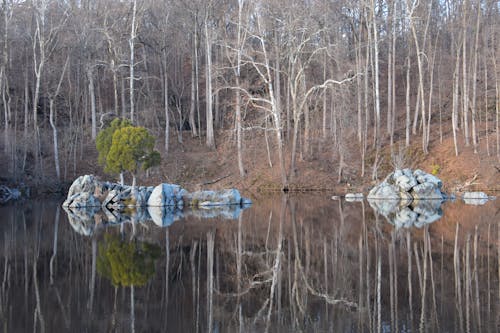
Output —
(352, 77)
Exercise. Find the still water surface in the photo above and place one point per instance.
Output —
(286, 264)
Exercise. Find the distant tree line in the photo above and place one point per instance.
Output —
(308, 75)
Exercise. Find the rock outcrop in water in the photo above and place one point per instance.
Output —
(408, 185)
(92, 203)
(88, 191)
(408, 198)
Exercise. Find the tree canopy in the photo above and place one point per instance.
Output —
(105, 138)
(124, 147)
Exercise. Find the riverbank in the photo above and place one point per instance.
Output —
(195, 167)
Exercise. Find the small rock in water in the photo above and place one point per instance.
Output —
(350, 197)
(475, 198)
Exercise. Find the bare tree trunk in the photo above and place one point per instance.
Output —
(431, 90)
(210, 140)
(497, 93)
(377, 91)
(26, 120)
(165, 102)
(239, 138)
(408, 113)
(420, 76)
(90, 77)
(474, 79)
(192, 106)
(486, 119)
(39, 42)
(197, 79)
(52, 122)
(455, 99)
(465, 77)
(390, 78)
(133, 31)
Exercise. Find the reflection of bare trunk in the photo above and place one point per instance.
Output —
(423, 300)
(38, 309)
(488, 290)
(476, 280)
(210, 279)
(192, 258)
(167, 279)
(431, 265)
(458, 284)
(467, 284)
(277, 262)
(132, 309)
(379, 286)
(392, 280)
(408, 247)
(54, 248)
(92, 279)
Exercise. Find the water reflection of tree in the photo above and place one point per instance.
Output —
(127, 263)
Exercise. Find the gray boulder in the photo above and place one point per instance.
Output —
(475, 198)
(166, 195)
(80, 200)
(86, 183)
(214, 198)
(384, 191)
(426, 191)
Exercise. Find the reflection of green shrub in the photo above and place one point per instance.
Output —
(127, 263)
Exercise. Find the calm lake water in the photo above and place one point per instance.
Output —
(286, 264)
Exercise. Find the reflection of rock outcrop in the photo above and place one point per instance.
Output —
(85, 220)
(7, 194)
(403, 214)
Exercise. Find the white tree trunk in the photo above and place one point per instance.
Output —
(474, 79)
(90, 77)
(132, 61)
(210, 140)
(165, 104)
